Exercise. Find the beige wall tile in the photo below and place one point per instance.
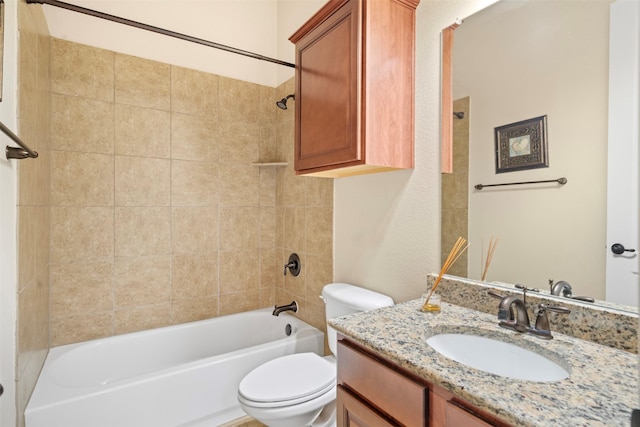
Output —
(193, 183)
(42, 237)
(27, 179)
(268, 296)
(81, 70)
(34, 126)
(142, 82)
(267, 186)
(267, 227)
(268, 145)
(33, 316)
(142, 231)
(239, 184)
(189, 310)
(194, 92)
(319, 231)
(239, 227)
(239, 271)
(239, 101)
(194, 230)
(42, 179)
(79, 233)
(269, 268)
(81, 179)
(194, 137)
(81, 288)
(319, 191)
(71, 329)
(239, 142)
(268, 108)
(294, 192)
(140, 318)
(142, 281)
(142, 132)
(27, 228)
(193, 276)
(80, 124)
(284, 137)
(142, 181)
(239, 302)
(295, 226)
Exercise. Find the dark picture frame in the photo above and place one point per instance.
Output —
(522, 145)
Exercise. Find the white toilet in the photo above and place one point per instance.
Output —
(300, 389)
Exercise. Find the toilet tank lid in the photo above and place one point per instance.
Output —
(355, 296)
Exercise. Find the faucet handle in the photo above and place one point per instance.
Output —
(495, 294)
(542, 328)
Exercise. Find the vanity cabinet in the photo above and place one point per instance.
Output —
(354, 100)
(373, 392)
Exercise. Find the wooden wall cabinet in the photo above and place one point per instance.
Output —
(354, 100)
(373, 392)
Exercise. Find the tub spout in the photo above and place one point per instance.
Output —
(289, 307)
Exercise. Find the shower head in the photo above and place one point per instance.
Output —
(459, 115)
(283, 102)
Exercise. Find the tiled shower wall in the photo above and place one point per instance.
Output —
(455, 191)
(34, 123)
(158, 215)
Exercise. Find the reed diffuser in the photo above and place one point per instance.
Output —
(458, 249)
(487, 261)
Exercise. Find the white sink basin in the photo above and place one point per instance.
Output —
(497, 357)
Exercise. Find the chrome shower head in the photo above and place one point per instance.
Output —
(283, 102)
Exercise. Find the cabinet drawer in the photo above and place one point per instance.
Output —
(459, 416)
(387, 389)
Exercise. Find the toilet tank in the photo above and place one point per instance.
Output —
(341, 299)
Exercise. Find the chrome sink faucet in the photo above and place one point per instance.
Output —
(520, 321)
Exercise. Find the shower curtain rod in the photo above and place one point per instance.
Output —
(158, 30)
(15, 152)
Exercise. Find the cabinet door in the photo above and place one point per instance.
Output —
(446, 410)
(327, 99)
(352, 412)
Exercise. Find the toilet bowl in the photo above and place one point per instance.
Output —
(299, 390)
(291, 391)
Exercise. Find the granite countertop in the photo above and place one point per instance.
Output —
(602, 388)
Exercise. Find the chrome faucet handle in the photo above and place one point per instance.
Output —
(523, 287)
(542, 329)
(495, 294)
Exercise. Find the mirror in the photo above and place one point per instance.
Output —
(514, 61)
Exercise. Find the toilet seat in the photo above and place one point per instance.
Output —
(287, 380)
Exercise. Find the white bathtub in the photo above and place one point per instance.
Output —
(183, 375)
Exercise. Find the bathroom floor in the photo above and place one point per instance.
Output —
(243, 422)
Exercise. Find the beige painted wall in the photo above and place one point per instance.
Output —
(387, 226)
(559, 69)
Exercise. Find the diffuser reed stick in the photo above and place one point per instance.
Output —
(490, 251)
(457, 250)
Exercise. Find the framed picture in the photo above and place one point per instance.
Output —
(522, 145)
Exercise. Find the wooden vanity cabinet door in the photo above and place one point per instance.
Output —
(326, 101)
(352, 412)
(354, 104)
(384, 388)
